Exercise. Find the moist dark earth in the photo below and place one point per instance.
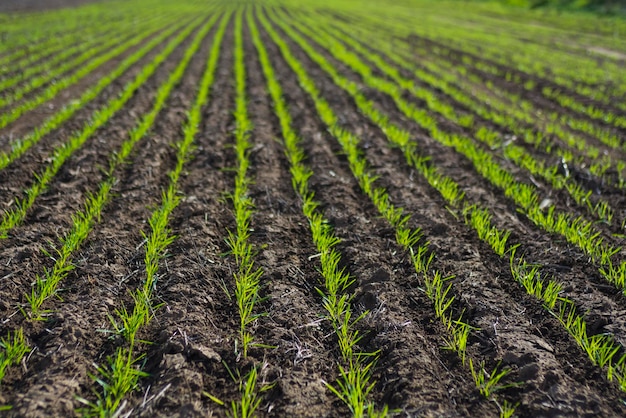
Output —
(192, 337)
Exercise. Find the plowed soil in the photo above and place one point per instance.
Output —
(193, 333)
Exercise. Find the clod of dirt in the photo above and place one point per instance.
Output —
(379, 276)
(510, 358)
(202, 353)
(529, 371)
(174, 361)
(368, 300)
(173, 347)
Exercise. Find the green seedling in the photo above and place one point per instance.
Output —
(490, 383)
(12, 349)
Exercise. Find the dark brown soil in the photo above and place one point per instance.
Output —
(193, 335)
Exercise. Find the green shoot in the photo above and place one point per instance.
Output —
(12, 349)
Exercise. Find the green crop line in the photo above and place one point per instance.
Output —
(75, 49)
(445, 77)
(32, 49)
(46, 284)
(99, 118)
(57, 57)
(28, 34)
(34, 83)
(121, 373)
(583, 76)
(577, 231)
(503, 120)
(492, 139)
(480, 220)
(602, 134)
(69, 46)
(250, 399)
(247, 278)
(59, 53)
(21, 145)
(436, 287)
(489, 383)
(52, 90)
(400, 138)
(589, 110)
(12, 349)
(83, 222)
(355, 382)
(576, 123)
(599, 348)
(27, 51)
(602, 350)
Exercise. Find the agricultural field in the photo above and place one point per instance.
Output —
(283, 208)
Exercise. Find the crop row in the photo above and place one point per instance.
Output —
(576, 230)
(48, 64)
(42, 73)
(120, 375)
(436, 286)
(46, 285)
(354, 384)
(33, 37)
(580, 73)
(503, 114)
(319, 51)
(21, 145)
(53, 89)
(601, 349)
(489, 137)
(100, 117)
(471, 87)
(555, 123)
